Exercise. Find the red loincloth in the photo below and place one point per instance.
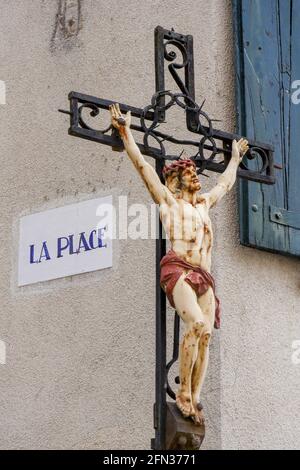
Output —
(172, 267)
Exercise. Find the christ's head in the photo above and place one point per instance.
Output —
(182, 176)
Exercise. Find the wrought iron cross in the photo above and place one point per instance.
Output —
(209, 144)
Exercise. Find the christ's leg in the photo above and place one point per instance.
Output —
(198, 376)
(207, 305)
(187, 307)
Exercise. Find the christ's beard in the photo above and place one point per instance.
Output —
(192, 187)
(195, 187)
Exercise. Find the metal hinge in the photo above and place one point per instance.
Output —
(285, 217)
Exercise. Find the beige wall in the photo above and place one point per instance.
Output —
(80, 350)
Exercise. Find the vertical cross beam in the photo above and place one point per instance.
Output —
(160, 342)
(163, 39)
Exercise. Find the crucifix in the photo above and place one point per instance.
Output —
(183, 274)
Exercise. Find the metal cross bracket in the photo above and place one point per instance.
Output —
(208, 143)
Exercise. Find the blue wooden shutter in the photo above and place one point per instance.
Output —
(267, 40)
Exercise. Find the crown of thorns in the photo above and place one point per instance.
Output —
(179, 165)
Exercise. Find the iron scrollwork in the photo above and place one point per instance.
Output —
(208, 147)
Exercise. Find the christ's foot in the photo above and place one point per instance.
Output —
(198, 417)
(184, 403)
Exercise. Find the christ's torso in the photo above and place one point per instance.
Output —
(189, 230)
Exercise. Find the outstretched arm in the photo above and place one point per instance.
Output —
(227, 179)
(158, 191)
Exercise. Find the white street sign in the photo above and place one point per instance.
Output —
(65, 241)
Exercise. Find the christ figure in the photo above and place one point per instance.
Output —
(185, 269)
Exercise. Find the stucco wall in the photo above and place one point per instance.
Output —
(79, 371)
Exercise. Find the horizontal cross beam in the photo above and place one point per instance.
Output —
(213, 141)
